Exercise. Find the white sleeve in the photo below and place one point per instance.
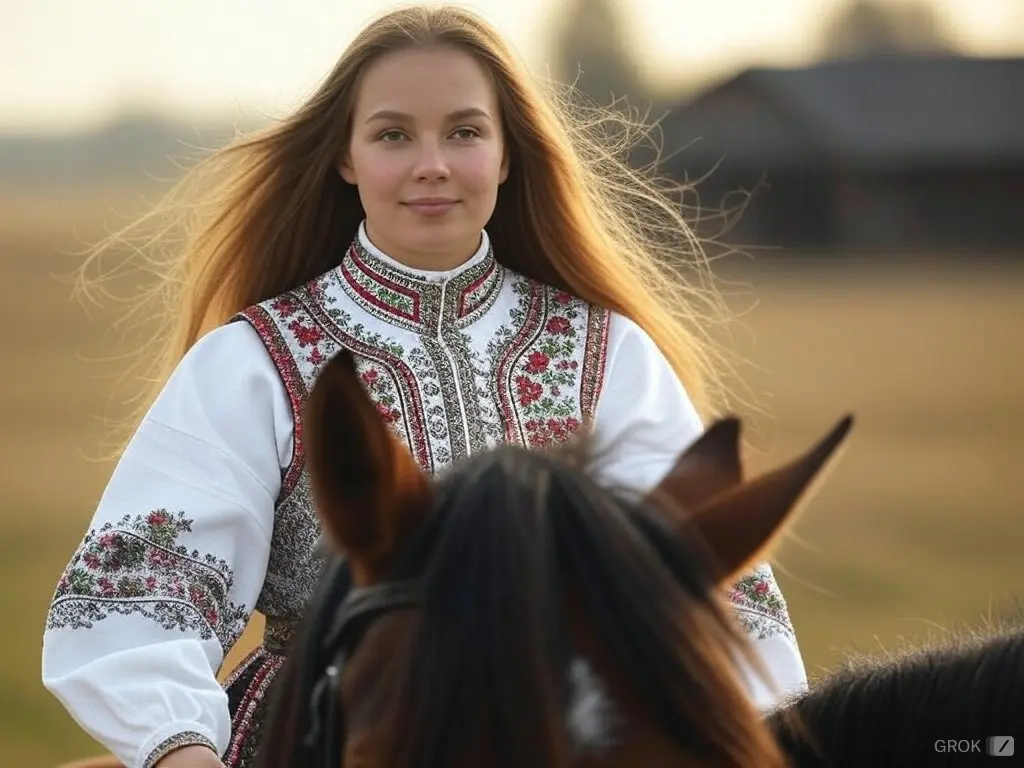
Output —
(644, 420)
(174, 558)
(644, 417)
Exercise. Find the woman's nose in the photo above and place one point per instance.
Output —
(431, 163)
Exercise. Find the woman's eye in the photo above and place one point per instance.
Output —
(467, 133)
(390, 136)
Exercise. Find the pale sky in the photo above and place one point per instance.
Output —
(67, 63)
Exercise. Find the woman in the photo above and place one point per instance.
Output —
(497, 275)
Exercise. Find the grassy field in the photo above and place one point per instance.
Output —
(918, 528)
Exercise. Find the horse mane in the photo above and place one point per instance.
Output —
(514, 531)
(892, 709)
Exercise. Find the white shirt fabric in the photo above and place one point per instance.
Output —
(176, 555)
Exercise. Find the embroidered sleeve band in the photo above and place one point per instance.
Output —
(187, 739)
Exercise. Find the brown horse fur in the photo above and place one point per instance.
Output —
(478, 675)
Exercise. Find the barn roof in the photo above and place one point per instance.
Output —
(879, 111)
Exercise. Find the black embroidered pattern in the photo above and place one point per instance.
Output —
(137, 566)
(186, 739)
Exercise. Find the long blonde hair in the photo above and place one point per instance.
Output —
(269, 212)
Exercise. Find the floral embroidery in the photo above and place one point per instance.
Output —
(378, 386)
(285, 306)
(305, 335)
(548, 431)
(548, 385)
(760, 604)
(138, 566)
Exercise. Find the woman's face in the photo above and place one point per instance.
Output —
(427, 155)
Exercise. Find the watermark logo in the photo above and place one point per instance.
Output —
(995, 746)
(999, 746)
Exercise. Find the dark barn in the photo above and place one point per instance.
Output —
(893, 153)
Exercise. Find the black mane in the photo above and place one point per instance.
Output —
(891, 711)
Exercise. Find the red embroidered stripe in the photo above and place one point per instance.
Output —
(264, 324)
(358, 263)
(463, 309)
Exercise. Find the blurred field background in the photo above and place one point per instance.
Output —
(892, 290)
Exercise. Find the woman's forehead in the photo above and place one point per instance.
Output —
(426, 84)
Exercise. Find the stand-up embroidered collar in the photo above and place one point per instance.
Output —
(420, 300)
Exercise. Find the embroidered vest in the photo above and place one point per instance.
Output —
(455, 366)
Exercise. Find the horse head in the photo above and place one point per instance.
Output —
(515, 612)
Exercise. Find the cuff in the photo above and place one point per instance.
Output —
(173, 737)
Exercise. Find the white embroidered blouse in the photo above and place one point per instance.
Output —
(207, 515)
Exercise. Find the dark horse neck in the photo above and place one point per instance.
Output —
(936, 707)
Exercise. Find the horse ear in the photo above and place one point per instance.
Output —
(739, 523)
(708, 467)
(368, 490)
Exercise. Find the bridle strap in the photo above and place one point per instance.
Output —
(365, 603)
(360, 607)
